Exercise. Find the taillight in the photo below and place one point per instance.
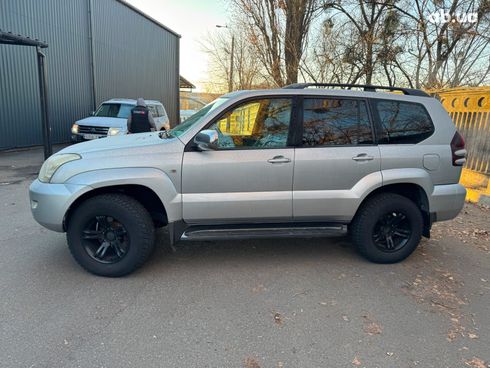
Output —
(457, 150)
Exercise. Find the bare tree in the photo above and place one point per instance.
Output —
(371, 26)
(328, 60)
(299, 16)
(247, 71)
(278, 30)
(374, 41)
(400, 42)
(448, 50)
(260, 20)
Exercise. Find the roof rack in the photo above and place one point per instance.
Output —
(365, 87)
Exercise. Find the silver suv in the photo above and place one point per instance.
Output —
(307, 160)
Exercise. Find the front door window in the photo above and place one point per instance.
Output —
(255, 124)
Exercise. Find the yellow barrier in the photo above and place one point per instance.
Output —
(477, 185)
(470, 110)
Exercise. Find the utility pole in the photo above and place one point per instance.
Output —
(230, 83)
(232, 52)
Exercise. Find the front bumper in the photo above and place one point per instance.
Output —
(50, 202)
(77, 138)
(447, 201)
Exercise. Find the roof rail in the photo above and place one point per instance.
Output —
(365, 87)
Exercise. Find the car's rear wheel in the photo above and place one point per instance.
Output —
(387, 228)
(110, 235)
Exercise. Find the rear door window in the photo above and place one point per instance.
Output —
(403, 122)
(335, 121)
(161, 111)
(153, 111)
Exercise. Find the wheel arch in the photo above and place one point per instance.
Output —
(146, 196)
(415, 192)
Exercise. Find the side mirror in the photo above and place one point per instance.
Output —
(206, 140)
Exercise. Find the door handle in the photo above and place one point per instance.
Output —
(279, 160)
(363, 157)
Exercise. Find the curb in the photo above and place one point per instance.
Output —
(477, 186)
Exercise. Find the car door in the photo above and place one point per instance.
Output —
(337, 160)
(249, 177)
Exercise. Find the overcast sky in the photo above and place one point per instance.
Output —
(192, 19)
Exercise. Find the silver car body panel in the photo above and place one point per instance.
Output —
(237, 185)
(230, 186)
(50, 202)
(156, 180)
(329, 183)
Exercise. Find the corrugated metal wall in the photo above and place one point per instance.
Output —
(64, 26)
(133, 57)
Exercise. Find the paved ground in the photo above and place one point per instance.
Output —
(268, 303)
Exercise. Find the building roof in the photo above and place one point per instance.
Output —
(184, 83)
(153, 20)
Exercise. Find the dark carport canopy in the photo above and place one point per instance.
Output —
(8, 38)
(12, 39)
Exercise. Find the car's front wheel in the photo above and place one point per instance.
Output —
(387, 228)
(110, 234)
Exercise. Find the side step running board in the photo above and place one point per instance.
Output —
(263, 231)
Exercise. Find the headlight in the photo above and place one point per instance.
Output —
(53, 163)
(74, 129)
(113, 131)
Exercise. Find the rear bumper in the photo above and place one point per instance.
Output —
(49, 202)
(447, 201)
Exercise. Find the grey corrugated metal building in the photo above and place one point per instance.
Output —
(98, 49)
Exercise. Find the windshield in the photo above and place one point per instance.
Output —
(114, 110)
(197, 117)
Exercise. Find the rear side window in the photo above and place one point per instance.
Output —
(153, 111)
(403, 122)
(161, 111)
(335, 121)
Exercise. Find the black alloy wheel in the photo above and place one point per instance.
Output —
(387, 228)
(105, 239)
(110, 234)
(392, 232)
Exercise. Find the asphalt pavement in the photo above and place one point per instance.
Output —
(252, 304)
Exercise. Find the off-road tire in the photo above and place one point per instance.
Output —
(131, 214)
(362, 227)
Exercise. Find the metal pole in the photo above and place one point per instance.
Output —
(43, 93)
(92, 54)
(177, 55)
(230, 83)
